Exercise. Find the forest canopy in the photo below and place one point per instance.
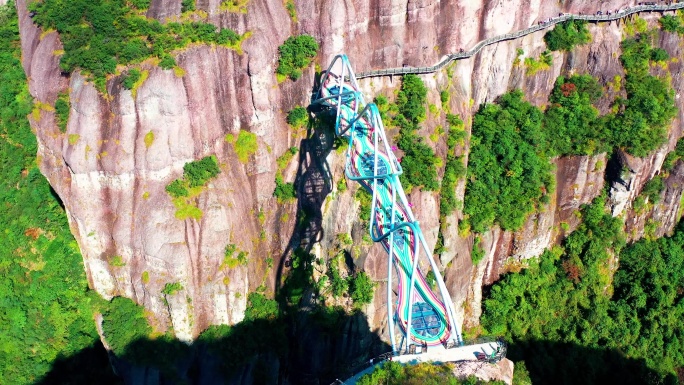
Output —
(46, 310)
(567, 297)
(512, 141)
(571, 122)
(509, 173)
(641, 124)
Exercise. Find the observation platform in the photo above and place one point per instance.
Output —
(491, 352)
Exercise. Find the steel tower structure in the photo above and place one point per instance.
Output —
(425, 315)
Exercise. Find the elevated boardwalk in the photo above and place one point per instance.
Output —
(515, 35)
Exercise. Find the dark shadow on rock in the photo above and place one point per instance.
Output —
(313, 347)
(57, 198)
(614, 170)
(565, 363)
(258, 352)
(313, 183)
(89, 366)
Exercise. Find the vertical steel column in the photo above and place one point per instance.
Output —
(414, 268)
(449, 306)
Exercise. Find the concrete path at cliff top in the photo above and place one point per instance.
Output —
(434, 354)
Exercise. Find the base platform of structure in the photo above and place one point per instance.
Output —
(484, 352)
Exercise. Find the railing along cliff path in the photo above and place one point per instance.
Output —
(509, 36)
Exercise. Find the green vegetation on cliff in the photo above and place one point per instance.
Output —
(195, 174)
(46, 309)
(183, 191)
(297, 117)
(123, 322)
(361, 288)
(284, 191)
(571, 122)
(419, 161)
(640, 126)
(454, 168)
(62, 107)
(98, 35)
(295, 55)
(509, 173)
(671, 23)
(566, 35)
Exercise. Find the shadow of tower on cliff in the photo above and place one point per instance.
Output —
(313, 183)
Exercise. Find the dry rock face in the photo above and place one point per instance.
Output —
(501, 371)
(112, 182)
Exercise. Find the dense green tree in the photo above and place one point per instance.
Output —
(508, 171)
(361, 288)
(167, 62)
(566, 35)
(130, 78)
(296, 54)
(187, 5)
(653, 188)
(62, 108)
(670, 23)
(199, 172)
(412, 98)
(423, 373)
(284, 191)
(338, 285)
(260, 307)
(571, 123)
(140, 4)
(297, 117)
(195, 174)
(419, 161)
(177, 189)
(124, 322)
(641, 124)
(659, 54)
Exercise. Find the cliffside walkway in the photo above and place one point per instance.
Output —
(510, 36)
(423, 312)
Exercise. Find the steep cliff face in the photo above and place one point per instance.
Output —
(111, 179)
